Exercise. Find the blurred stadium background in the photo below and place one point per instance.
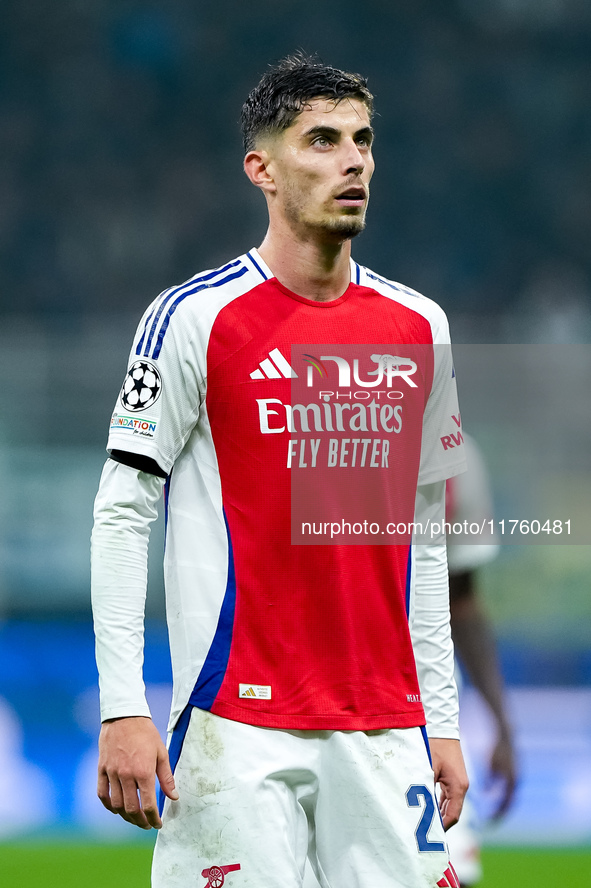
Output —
(121, 173)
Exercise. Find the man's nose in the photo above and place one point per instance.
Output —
(354, 159)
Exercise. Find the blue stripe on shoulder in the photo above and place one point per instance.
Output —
(257, 266)
(140, 344)
(172, 308)
(214, 669)
(399, 287)
(357, 273)
(169, 294)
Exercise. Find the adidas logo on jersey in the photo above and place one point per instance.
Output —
(256, 692)
(278, 368)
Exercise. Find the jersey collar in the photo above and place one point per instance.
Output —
(263, 269)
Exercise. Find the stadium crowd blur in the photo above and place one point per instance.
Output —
(121, 156)
(120, 174)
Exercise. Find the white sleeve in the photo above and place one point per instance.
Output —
(442, 446)
(430, 623)
(124, 510)
(162, 393)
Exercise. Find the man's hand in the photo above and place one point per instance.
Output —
(502, 773)
(450, 773)
(474, 642)
(131, 755)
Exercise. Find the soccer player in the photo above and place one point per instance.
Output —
(309, 680)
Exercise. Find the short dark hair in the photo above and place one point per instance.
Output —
(287, 87)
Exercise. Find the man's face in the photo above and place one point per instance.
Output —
(321, 167)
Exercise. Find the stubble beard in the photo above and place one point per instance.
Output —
(335, 228)
(345, 227)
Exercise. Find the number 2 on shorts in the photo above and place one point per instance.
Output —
(413, 795)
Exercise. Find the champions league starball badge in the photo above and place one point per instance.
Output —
(142, 386)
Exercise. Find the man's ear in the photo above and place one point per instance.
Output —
(257, 165)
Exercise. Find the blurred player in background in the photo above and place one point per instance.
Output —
(468, 498)
(307, 679)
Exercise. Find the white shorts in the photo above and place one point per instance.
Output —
(255, 803)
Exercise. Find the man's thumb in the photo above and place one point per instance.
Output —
(166, 779)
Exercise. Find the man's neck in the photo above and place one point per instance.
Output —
(313, 270)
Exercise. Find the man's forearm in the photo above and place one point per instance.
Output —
(125, 507)
(433, 648)
(429, 621)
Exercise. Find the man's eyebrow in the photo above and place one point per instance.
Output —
(324, 130)
(366, 131)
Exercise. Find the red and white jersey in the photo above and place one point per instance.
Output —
(261, 630)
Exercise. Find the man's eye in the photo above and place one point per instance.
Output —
(321, 140)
